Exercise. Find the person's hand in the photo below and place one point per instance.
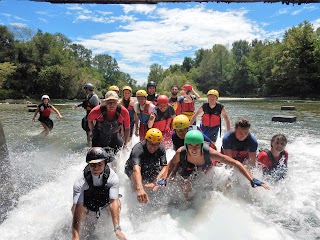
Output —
(167, 129)
(152, 116)
(142, 196)
(120, 235)
(33, 119)
(75, 106)
(136, 132)
(60, 116)
(257, 183)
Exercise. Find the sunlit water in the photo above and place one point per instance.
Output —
(224, 205)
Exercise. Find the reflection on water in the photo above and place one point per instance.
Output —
(44, 169)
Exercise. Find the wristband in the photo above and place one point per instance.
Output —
(116, 228)
(255, 182)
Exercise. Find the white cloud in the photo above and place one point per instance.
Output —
(139, 8)
(296, 12)
(19, 25)
(168, 33)
(316, 23)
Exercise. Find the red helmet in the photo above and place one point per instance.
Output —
(162, 99)
(187, 87)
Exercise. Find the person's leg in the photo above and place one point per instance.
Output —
(46, 130)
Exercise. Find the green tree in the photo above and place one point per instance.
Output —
(108, 66)
(156, 73)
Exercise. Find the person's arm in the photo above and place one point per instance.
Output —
(142, 196)
(35, 114)
(215, 155)
(151, 120)
(194, 117)
(196, 94)
(226, 118)
(56, 111)
(126, 136)
(172, 168)
(115, 215)
(136, 122)
(79, 212)
(252, 158)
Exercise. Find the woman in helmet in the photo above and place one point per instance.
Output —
(196, 155)
(142, 108)
(128, 102)
(92, 100)
(96, 191)
(187, 100)
(211, 118)
(44, 109)
(146, 164)
(161, 118)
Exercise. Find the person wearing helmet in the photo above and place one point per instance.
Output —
(114, 88)
(187, 100)
(108, 118)
(91, 100)
(152, 95)
(128, 102)
(146, 164)
(161, 118)
(142, 110)
(240, 144)
(197, 156)
(211, 118)
(173, 100)
(44, 109)
(96, 191)
(181, 126)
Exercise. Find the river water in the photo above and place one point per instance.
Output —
(43, 171)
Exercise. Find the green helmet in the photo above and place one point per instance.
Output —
(194, 137)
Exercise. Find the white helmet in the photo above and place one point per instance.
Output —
(45, 97)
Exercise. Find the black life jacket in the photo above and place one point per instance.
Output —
(188, 168)
(96, 197)
(104, 130)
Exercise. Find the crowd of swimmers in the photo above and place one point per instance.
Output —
(161, 123)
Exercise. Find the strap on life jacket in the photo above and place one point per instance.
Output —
(275, 163)
(103, 110)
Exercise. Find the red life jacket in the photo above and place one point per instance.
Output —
(45, 110)
(211, 116)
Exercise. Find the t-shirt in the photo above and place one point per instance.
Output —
(81, 184)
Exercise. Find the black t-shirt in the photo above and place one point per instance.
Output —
(150, 163)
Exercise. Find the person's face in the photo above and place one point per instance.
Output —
(241, 133)
(212, 98)
(126, 94)
(86, 91)
(141, 100)
(151, 90)
(97, 168)
(279, 145)
(174, 91)
(152, 146)
(183, 92)
(163, 107)
(194, 149)
(111, 104)
(45, 101)
(181, 132)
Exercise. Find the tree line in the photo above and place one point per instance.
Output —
(34, 64)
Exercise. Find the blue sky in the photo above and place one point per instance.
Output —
(139, 35)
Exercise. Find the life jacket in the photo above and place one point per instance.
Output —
(104, 130)
(162, 119)
(96, 197)
(144, 114)
(45, 110)
(275, 163)
(188, 168)
(187, 108)
(129, 107)
(153, 98)
(239, 149)
(86, 104)
(211, 116)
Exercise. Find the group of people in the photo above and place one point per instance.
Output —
(161, 123)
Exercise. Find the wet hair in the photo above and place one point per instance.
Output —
(243, 123)
(279, 137)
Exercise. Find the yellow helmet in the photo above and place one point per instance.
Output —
(214, 92)
(141, 93)
(154, 135)
(113, 88)
(127, 88)
(180, 122)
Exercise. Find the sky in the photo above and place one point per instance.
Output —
(139, 35)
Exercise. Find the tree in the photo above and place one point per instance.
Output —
(6, 44)
(187, 64)
(108, 66)
(156, 73)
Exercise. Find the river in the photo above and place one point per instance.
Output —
(43, 170)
